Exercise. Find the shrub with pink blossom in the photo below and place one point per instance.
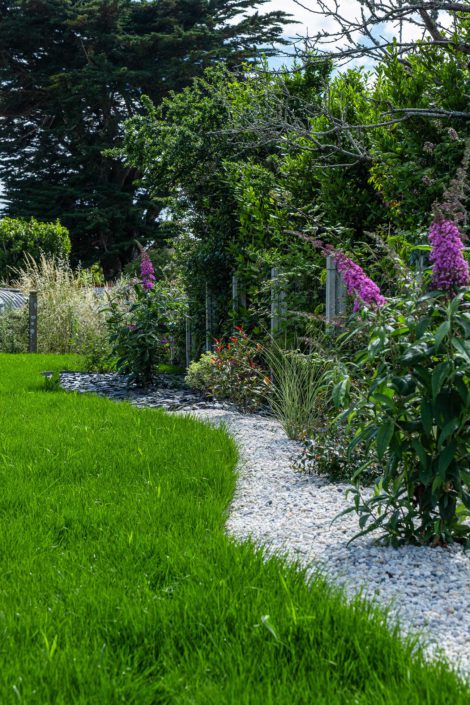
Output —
(140, 332)
(412, 415)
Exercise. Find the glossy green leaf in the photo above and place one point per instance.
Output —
(448, 429)
(446, 457)
(426, 416)
(421, 453)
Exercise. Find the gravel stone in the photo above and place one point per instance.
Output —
(289, 513)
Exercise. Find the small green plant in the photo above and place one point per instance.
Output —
(232, 371)
(298, 397)
(201, 373)
(51, 381)
(328, 453)
(97, 353)
(139, 332)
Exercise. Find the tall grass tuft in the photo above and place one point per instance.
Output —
(299, 397)
(70, 314)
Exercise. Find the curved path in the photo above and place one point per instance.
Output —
(289, 512)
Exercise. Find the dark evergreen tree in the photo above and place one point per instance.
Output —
(71, 72)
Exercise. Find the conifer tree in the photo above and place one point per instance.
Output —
(71, 73)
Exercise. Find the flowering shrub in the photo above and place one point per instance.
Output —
(232, 372)
(139, 332)
(415, 410)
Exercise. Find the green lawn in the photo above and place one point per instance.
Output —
(118, 585)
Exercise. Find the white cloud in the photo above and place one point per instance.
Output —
(311, 23)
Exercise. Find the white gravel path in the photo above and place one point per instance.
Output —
(428, 589)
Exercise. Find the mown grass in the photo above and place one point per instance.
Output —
(118, 584)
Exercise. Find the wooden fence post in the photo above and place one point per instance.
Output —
(33, 321)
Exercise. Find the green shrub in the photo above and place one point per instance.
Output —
(414, 419)
(97, 352)
(328, 453)
(201, 373)
(232, 372)
(20, 237)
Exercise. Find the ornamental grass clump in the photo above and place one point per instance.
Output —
(70, 313)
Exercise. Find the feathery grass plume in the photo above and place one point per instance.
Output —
(70, 313)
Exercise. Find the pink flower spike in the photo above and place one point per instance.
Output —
(450, 269)
(147, 272)
(358, 283)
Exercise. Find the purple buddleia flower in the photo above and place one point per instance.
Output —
(357, 282)
(147, 272)
(450, 270)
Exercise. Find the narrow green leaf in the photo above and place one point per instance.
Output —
(441, 333)
(462, 348)
(448, 429)
(439, 375)
(426, 416)
(421, 453)
(446, 457)
(384, 436)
